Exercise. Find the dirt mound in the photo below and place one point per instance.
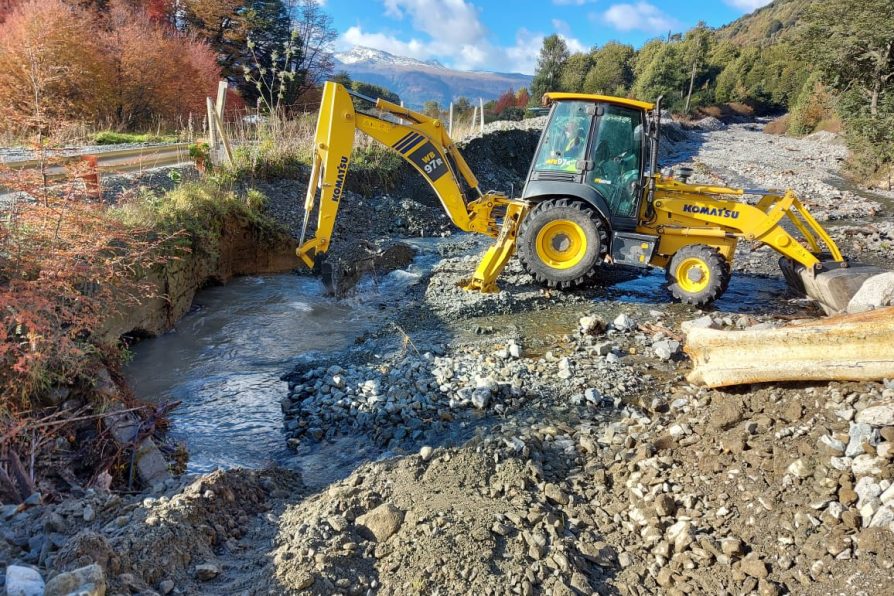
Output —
(460, 526)
(166, 538)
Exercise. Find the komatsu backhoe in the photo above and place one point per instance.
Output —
(593, 196)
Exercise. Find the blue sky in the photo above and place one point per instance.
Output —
(506, 35)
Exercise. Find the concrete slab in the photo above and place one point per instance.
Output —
(151, 466)
(834, 287)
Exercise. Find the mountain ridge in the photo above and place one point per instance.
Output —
(418, 81)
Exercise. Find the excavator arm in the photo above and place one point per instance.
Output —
(424, 144)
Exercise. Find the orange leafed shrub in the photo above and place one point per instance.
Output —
(51, 66)
(123, 68)
(65, 266)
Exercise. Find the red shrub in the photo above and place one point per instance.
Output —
(124, 67)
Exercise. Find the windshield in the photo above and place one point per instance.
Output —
(565, 138)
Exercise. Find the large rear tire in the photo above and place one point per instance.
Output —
(698, 274)
(562, 242)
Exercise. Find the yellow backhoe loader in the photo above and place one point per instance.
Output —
(593, 196)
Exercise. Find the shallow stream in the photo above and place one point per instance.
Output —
(224, 361)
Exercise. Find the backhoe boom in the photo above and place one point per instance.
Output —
(424, 144)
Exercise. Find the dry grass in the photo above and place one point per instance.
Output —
(778, 126)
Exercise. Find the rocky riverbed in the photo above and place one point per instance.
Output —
(532, 442)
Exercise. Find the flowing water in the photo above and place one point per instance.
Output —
(224, 361)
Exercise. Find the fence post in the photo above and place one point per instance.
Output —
(450, 126)
(212, 132)
(481, 103)
(217, 135)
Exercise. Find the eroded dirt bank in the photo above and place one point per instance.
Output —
(538, 442)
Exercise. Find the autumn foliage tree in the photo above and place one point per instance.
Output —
(122, 66)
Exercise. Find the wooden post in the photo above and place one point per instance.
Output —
(474, 117)
(481, 103)
(217, 135)
(212, 132)
(450, 125)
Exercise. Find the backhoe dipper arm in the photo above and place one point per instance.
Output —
(423, 143)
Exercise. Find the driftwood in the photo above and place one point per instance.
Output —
(843, 348)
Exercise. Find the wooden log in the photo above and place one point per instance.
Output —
(843, 348)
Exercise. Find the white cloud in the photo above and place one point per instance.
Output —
(642, 16)
(453, 32)
(748, 5)
(572, 2)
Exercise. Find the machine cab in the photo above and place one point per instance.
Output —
(594, 147)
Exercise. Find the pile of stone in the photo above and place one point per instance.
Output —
(412, 397)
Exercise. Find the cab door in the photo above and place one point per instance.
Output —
(616, 162)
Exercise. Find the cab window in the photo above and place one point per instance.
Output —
(565, 139)
(617, 159)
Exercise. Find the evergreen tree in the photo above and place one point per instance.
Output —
(611, 72)
(547, 77)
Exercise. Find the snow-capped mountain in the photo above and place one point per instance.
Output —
(364, 55)
(418, 81)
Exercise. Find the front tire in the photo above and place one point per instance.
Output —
(562, 242)
(698, 274)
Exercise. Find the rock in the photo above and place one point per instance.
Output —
(338, 523)
(877, 415)
(603, 348)
(515, 350)
(705, 322)
(624, 322)
(23, 581)
(88, 514)
(732, 547)
(887, 496)
(727, 415)
(753, 566)
(382, 522)
(166, 587)
(480, 398)
(86, 581)
(665, 349)
(591, 325)
(665, 505)
(867, 490)
(680, 534)
(877, 291)
(799, 468)
(883, 518)
(425, 452)
(859, 433)
(555, 494)
(207, 571)
(830, 446)
(865, 465)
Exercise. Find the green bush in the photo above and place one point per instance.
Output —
(109, 137)
(813, 105)
(200, 209)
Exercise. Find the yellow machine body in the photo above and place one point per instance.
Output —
(672, 215)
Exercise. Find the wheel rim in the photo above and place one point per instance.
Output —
(693, 275)
(561, 244)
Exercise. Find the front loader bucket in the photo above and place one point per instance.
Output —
(833, 286)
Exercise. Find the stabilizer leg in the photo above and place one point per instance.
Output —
(497, 256)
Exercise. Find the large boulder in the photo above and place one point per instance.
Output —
(876, 292)
(23, 581)
(86, 581)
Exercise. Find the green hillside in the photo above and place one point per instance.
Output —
(776, 22)
(828, 63)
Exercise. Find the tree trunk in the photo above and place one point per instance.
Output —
(844, 348)
(691, 84)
